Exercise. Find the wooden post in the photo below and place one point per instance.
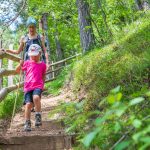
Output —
(1, 79)
(43, 27)
(10, 67)
(53, 73)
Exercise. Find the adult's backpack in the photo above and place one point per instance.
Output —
(29, 42)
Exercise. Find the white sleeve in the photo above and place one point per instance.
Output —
(22, 39)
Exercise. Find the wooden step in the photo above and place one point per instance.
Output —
(36, 142)
(50, 136)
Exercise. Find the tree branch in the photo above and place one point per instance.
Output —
(8, 23)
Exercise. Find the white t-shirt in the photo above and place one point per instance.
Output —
(24, 38)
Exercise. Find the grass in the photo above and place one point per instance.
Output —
(55, 86)
(105, 115)
(125, 62)
(6, 106)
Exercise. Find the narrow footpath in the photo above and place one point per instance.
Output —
(50, 136)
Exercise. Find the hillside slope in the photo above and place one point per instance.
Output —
(124, 62)
(112, 86)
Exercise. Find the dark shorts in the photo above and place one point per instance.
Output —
(28, 96)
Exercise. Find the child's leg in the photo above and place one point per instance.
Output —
(28, 101)
(28, 107)
(37, 104)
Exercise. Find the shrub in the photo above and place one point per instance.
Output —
(125, 63)
(7, 105)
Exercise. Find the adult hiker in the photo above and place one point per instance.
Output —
(32, 37)
(34, 84)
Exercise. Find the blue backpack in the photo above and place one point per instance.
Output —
(30, 42)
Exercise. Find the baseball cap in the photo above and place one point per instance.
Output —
(31, 21)
(34, 50)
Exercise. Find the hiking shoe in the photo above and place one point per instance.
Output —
(27, 126)
(38, 120)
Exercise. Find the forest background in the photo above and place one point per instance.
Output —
(110, 81)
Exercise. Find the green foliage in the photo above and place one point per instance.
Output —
(65, 24)
(112, 15)
(108, 18)
(6, 106)
(118, 119)
(105, 126)
(125, 63)
(103, 117)
(55, 86)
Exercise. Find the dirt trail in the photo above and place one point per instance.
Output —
(50, 136)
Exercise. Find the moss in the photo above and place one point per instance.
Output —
(124, 62)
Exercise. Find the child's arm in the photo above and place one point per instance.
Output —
(18, 67)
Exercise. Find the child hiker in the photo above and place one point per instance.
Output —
(33, 85)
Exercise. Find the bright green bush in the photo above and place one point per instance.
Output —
(6, 106)
(125, 63)
(116, 123)
(119, 118)
(55, 86)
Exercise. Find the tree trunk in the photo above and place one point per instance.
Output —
(99, 3)
(146, 5)
(44, 27)
(1, 79)
(139, 4)
(86, 32)
(59, 51)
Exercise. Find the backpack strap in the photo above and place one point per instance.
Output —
(43, 57)
(40, 41)
(28, 42)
